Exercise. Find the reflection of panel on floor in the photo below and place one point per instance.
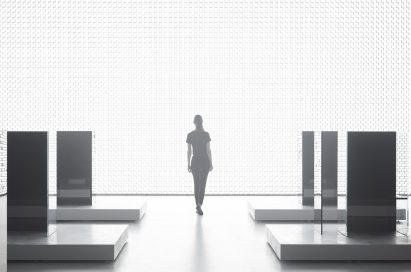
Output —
(304, 242)
(69, 243)
(105, 208)
(290, 208)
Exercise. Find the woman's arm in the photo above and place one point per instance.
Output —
(209, 156)
(188, 157)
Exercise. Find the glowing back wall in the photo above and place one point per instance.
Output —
(260, 72)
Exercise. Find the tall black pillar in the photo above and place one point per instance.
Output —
(371, 182)
(329, 164)
(27, 182)
(74, 167)
(308, 167)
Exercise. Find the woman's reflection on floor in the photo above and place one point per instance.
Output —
(199, 257)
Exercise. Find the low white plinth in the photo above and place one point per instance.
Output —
(70, 242)
(290, 208)
(304, 242)
(104, 208)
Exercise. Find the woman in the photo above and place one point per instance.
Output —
(201, 163)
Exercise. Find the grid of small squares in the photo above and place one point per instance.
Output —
(3, 162)
(260, 72)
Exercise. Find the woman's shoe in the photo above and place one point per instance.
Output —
(199, 210)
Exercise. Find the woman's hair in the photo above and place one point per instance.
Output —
(198, 121)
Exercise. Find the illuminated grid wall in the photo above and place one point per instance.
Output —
(3, 162)
(260, 72)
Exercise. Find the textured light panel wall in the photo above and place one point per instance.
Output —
(3, 162)
(260, 72)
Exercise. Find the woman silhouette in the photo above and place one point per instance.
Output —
(201, 163)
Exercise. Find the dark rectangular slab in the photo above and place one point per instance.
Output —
(74, 168)
(371, 182)
(308, 168)
(27, 181)
(329, 164)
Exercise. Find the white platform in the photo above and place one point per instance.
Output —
(104, 208)
(303, 242)
(70, 242)
(290, 208)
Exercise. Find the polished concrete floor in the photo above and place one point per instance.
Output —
(171, 237)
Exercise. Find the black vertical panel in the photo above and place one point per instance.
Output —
(308, 167)
(74, 168)
(371, 182)
(329, 165)
(27, 181)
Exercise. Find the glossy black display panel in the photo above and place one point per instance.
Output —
(329, 167)
(27, 181)
(308, 167)
(74, 168)
(371, 182)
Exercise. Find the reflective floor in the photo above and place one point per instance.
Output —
(171, 237)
